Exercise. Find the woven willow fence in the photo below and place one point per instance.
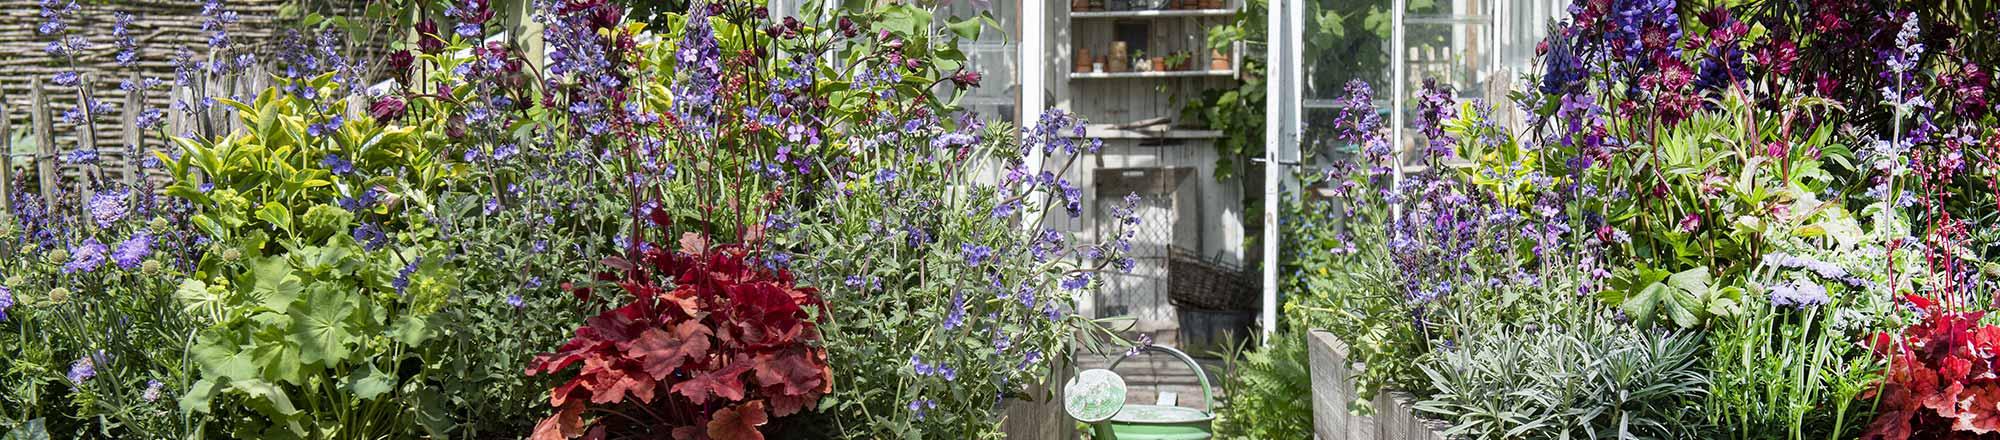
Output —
(35, 141)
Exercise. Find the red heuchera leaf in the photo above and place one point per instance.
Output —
(729, 333)
(1980, 411)
(661, 353)
(726, 383)
(566, 424)
(1940, 382)
(739, 422)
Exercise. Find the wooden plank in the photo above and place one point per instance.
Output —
(135, 103)
(45, 139)
(6, 160)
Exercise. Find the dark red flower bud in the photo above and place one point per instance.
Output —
(388, 109)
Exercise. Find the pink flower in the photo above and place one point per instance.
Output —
(1691, 222)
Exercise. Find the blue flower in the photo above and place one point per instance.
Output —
(86, 257)
(336, 165)
(134, 250)
(956, 317)
(6, 302)
(515, 300)
(153, 390)
(975, 255)
(83, 369)
(1799, 295)
(402, 281)
(1076, 281)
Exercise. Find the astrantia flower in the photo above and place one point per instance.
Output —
(133, 251)
(86, 256)
(388, 109)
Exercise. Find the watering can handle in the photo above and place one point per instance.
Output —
(1207, 393)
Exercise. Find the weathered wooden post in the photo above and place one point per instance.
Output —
(45, 139)
(135, 102)
(6, 158)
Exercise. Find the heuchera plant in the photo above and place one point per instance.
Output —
(1941, 381)
(714, 348)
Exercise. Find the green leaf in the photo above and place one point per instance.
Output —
(369, 382)
(31, 430)
(222, 357)
(197, 397)
(411, 330)
(273, 285)
(319, 325)
(968, 28)
(277, 215)
(1639, 308)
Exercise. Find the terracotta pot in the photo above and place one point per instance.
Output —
(1159, 64)
(1211, 4)
(1082, 59)
(1218, 60)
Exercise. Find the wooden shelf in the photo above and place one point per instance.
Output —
(1154, 74)
(1104, 131)
(1154, 13)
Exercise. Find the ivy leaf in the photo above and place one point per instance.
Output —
(319, 326)
(661, 353)
(739, 422)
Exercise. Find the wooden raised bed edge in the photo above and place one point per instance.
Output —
(1395, 418)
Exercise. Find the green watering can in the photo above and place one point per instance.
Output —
(1097, 397)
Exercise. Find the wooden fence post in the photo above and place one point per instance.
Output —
(6, 159)
(45, 140)
(135, 102)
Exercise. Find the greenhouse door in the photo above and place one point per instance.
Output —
(1142, 293)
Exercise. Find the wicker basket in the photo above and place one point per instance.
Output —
(1199, 283)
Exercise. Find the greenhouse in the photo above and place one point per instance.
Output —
(999, 219)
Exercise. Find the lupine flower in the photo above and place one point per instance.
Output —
(86, 256)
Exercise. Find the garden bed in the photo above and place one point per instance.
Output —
(1395, 417)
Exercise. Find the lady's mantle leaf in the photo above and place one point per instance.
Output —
(319, 326)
